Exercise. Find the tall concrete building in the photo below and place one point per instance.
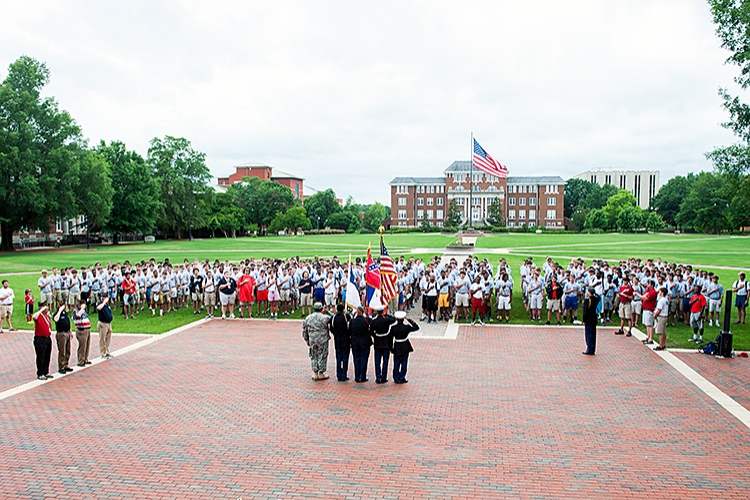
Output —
(644, 184)
(526, 201)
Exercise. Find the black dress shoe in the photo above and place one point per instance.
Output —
(62, 372)
(88, 362)
(380, 381)
(48, 376)
(68, 369)
(588, 353)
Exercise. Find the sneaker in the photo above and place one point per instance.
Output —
(223, 317)
(68, 369)
(473, 323)
(62, 372)
(481, 322)
(629, 334)
(547, 323)
(559, 324)
(231, 316)
(619, 332)
(691, 340)
(49, 376)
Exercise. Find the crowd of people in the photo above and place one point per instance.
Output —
(654, 292)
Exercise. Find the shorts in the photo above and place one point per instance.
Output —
(128, 299)
(674, 305)
(58, 295)
(319, 294)
(607, 303)
(462, 300)
(305, 299)
(29, 309)
(443, 300)
(227, 298)
(571, 302)
(112, 294)
(477, 305)
(142, 295)
(45, 298)
(535, 301)
(648, 318)
(503, 302)
(330, 299)
(424, 302)
(5, 310)
(696, 321)
(714, 305)
(740, 301)
(626, 311)
(285, 295)
(209, 298)
(73, 298)
(273, 295)
(553, 305)
(432, 303)
(196, 296)
(173, 293)
(661, 325)
(155, 297)
(637, 307)
(262, 295)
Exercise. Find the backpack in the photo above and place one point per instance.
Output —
(710, 348)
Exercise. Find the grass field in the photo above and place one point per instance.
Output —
(709, 252)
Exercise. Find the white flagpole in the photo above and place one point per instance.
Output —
(471, 180)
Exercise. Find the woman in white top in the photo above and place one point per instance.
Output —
(740, 287)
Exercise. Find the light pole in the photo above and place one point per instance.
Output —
(318, 224)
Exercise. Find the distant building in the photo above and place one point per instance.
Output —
(644, 184)
(526, 201)
(262, 171)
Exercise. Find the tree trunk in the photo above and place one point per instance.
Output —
(225, 233)
(115, 238)
(7, 243)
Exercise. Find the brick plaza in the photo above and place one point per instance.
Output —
(226, 409)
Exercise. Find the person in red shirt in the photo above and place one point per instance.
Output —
(697, 304)
(648, 299)
(42, 342)
(626, 308)
(128, 296)
(246, 288)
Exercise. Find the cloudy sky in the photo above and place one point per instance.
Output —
(349, 94)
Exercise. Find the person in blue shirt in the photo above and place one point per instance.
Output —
(715, 295)
(570, 292)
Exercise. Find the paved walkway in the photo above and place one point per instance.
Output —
(228, 410)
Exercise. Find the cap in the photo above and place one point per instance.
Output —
(318, 306)
(378, 308)
(400, 314)
(44, 270)
(360, 309)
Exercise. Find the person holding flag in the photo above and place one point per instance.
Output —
(388, 278)
(372, 280)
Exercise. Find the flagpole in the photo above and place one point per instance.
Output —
(471, 179)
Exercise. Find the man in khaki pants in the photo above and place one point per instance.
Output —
(62, 327)
(105, 327)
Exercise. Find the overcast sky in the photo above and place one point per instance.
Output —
(350, 94)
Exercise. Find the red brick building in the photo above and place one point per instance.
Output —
(526, 201)
(254, 169)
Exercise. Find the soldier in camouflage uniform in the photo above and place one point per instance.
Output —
(315, 332)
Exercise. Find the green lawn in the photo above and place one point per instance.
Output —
(702, 250)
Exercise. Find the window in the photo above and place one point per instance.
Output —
(511, 224)
(608, 179)
(439, 202)
(430, 201)
(522, 214)
(459, 178)
(532, 189)
(532, 201)
(402, 202)
(402, 189)
(460, 201)
(439, 223)
(551, 201)
(511, 214)
(402, 214)
(429, 214)
(511, 202)
(420, 214)
(439, 214)
(522, 202)
(593, 179)
(58, 225)
(552, 214)
(420, 202)
(551, 189)
(402, 224)
(476, 202)
(532, 214)
(510, 189)
(622, 182)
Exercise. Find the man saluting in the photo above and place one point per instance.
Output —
(380, 329)
(401, 345)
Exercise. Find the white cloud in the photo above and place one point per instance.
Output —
(351, 94)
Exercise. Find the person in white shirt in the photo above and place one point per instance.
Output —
(740, 287)
(662, 315)
(477, 300)
(6, 306)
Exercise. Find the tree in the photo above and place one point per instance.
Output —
(343, 220)
(322, 204)
(578, 219)
(617, 203)
(705, 206)
(182, 176)
(596, 219)
(261, 199)
(629, 219)
(667, 201)
(293, 219)
(598, 196)
(424, 224)
(94, 192)
(40, 148)
(495, 213)
(453, 217)
(226, 216)
(374, 217)
(654, 222)
(135, 199)
(576, 190)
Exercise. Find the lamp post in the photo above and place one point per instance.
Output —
(318, 224)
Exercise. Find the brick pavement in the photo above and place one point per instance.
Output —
(228, 410)
(731, 376)
(18, 361)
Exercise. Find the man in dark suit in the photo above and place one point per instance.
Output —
(380, 329)
(590, 320)
(401, 345)
(359, 329)
(342, 341)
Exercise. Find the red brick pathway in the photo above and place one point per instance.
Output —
(18, 361)
(731, 376)
(228, 410)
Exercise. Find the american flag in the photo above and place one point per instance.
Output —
(484, 162)
(387, 274)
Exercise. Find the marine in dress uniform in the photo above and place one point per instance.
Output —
(590, 319)
(380, 329)
(342, 341)
(315, 333)
(401, 346)
(359, 328)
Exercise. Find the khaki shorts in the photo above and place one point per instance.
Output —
(5, 310)
(227, 299)
(462, 300)
(648, 318)
(73, 298)
(554, 305)
(45, 298)
(674, 305)
(625, 311)
(305, 299)
(661, 325)
(58, 295)
(128, 299)
(714, 305)
(209, 298)
(195, 296)
(285, 295)
(535, 301)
